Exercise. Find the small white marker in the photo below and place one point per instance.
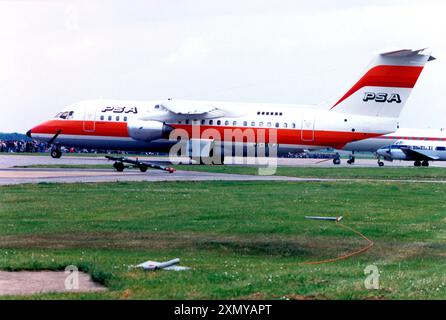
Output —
(337, 219)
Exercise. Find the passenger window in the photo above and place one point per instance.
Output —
(125, 119)
(258, 112)
(234, 123)
(187, 121)
(218, 122)
(260, 124)
(202, 121)
(277, 125)
(267, 113)
(102, 118)
(276, 114)
(245, 123)
(253, 124)
(109, 118)
(293, 125)
(269, 124)
(285, 125)
(227, 123)
(117, 118)
(280, 113)
(263, 113)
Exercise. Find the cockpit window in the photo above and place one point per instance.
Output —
(64, 115)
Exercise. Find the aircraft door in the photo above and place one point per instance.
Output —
(307, 129)
(89, 119)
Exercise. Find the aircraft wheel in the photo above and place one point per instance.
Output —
(56, 153)
(425, 163)
(336, 161)
(119, 166)
(351, 160)
(143, 168)
(380, 163)
(417, 163)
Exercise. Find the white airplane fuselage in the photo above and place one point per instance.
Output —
(413, 150)
(112, 124)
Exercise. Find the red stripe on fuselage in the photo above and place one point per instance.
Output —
(386, 76)
(260, 135)
(76, 127)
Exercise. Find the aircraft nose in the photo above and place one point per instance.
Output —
(28, 133)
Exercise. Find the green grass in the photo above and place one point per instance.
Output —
(398, 173)
(242, 239)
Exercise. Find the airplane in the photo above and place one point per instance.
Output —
(412, 135)
(370, 108)
(421, 152)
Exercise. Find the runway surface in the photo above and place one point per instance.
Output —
(9, 174)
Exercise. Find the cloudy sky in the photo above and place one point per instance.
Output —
(56, 52)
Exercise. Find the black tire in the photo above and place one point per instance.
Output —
(417, 163)
(380, 163)
(336, 161)
(56, 153)
(119, 166)
(143, 168)
(425, 163)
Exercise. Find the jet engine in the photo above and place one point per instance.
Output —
(148, 130)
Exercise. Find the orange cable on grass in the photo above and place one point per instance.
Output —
(347, 255)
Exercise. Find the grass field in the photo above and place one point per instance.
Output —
(241, 239)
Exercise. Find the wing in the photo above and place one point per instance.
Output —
(192, 108)
(418, 154)
(188, 109)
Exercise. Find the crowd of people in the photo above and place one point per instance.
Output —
(22, 146)
(33, 146)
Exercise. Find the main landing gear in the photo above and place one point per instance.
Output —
(337, 159)
(380, 163)
(119, 164)
(351, 158)
(419, 163)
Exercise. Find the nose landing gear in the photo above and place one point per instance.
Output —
(56, 153)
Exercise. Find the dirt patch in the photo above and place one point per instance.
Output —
(270, 245)
(32, 282)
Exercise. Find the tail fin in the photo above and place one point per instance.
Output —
(384, 89)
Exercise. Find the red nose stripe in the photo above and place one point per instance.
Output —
(73, 127)
(386, 76)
